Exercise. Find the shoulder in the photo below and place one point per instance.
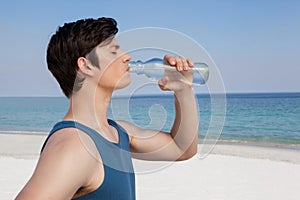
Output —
(130, 129)
(135, 132)
(69, 144)
(65, 165)
(127, 125)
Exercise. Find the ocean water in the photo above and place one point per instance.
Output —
(268, 118)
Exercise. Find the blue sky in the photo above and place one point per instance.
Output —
(255, 44)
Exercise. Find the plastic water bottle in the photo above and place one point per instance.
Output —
(154, 69)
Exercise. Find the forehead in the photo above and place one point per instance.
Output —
(113, 42)
(109, 43)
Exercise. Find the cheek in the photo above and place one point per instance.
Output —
(109, 77)
(111, 68)
(106, 75)
(105, 59)
(104, 63)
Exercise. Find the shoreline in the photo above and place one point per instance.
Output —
(231, 141)
(27, 145)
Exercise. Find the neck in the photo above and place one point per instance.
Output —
(90, 108)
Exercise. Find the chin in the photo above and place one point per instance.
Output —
(123, 83)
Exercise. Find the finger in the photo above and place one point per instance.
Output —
(179, 63)
(190, 62)
(170, 59)
(163, 88)
(163, 83)
(185, 64)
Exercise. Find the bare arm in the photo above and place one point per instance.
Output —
(181, 142)
(61, 169)
(185, 127)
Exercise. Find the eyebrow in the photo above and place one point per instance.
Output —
(115, 46)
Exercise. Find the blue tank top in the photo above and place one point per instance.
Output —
(119, 179)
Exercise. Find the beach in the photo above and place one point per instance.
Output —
(230, 171)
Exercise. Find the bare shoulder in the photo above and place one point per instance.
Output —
(65, 165)
(138, 133)
(132, 130)
(69, 141)
(150, 144)
(124, 124)
(65, 138)
(69, 144)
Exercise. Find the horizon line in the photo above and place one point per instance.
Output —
(158, 94)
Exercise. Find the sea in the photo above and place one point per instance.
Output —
(251, 118)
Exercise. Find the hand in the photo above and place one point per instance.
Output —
(180, 78)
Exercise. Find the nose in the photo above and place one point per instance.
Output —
(126, 57)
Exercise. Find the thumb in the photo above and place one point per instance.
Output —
(163, 83)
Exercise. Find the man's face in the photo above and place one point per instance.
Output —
(113, 63)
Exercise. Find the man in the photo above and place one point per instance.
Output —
(87, 155)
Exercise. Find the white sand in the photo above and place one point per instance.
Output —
(229, 172)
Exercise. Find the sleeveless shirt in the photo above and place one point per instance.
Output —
(119, 178)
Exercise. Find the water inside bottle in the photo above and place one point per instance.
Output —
(155, 69)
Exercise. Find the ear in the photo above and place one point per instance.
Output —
(85, 67)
